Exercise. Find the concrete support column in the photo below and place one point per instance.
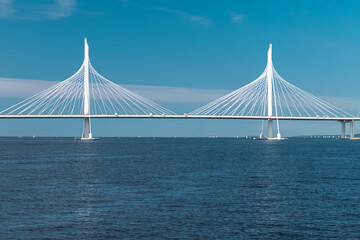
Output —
(270, 128)
(87, 130)
(352, 133)
(343, 129)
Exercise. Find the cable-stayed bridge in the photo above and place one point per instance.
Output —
(88, 95)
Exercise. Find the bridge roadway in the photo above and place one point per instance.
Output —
(184, 116)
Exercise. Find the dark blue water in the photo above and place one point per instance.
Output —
(179, 188)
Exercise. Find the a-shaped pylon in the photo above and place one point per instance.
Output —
(270, 95)
(86, 93)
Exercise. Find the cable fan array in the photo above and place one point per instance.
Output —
(288, 100)
(103, 97)
(67, 98)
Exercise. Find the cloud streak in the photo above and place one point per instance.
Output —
(193, 18)
(236, 17)
(197, 19)
(352, 105)
(57, 9)
(163, 94)
(60, 9)
(6, 8)
(23, 88)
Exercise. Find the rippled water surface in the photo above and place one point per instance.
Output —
(195, 188)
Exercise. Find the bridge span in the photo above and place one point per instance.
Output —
(342, 120)
(186, 116)
(88, 95)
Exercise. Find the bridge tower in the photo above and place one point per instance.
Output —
(87, 135)
(270, 95)
(269, 75)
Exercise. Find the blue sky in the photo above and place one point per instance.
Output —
(199, 49)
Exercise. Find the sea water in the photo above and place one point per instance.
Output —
(185, 188)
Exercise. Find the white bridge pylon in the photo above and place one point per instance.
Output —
(86, 93)
(270, 95)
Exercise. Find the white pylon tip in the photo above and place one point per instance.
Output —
(86, 49)
(270, 54)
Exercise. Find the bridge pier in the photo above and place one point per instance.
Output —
(343, 129)
(270, 128)
(352, 133)
(87, 135)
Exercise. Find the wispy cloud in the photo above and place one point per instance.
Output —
(197, 19)
(60, 9)
(6, 8)
(23, 88)
(57, 9)
(349, 104)
(236, 17)
(193, 18)
(162, 94)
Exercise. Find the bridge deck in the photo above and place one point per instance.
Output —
(185, 116)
